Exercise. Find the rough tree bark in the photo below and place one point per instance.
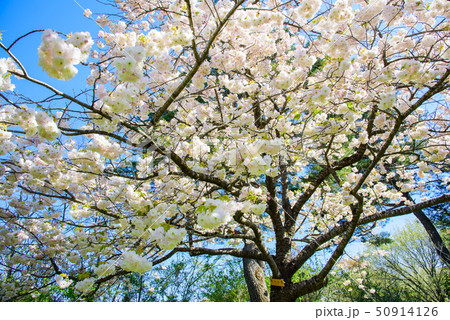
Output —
(254, 276)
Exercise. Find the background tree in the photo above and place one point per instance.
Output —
(205, 124)
(413, 260)
(406, 269)
(189, 279)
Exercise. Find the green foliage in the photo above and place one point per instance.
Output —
(405, 267)
(179, 280)
(318, 65)
(413, 260)
(48, 291)
(225, 283)
(186, 279)
(305, 273)
(167, 116)
(398, 268)
(377, 240)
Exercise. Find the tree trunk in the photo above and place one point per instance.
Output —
(435, 237)
(429, 227)
(278, 295)
(254, 276)
(433, 233)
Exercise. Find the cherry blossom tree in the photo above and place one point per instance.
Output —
(288, 126)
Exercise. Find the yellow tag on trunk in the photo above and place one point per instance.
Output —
(277, 282)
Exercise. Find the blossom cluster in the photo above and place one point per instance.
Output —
(87, 160)
(308, 9)
(5, 144)
(131, 66)
(250, 207)
(62, 281)
(122, 100)
(32, 122)
(105, 269)
(85, 285)
(5, 76)
(103, 146)
(57, 56)
(215, 213)
(169, 239)
(387, 100)
(130, 261)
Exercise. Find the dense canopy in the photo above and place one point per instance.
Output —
(292, 125)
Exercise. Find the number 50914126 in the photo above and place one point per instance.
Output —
(405, 311)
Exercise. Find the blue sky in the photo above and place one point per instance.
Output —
(18, 17)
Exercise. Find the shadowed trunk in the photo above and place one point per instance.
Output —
(433, 233)
(254, 276)
(435, 237)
